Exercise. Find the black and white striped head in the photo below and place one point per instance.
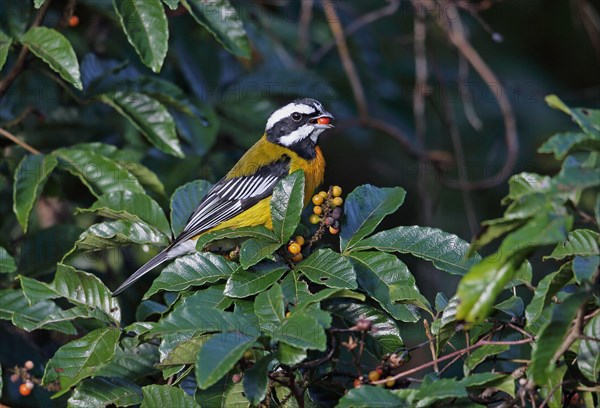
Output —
(298, 124)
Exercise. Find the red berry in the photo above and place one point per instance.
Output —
(28, 364)
(24, 390)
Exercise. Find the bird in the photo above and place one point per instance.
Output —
(242, 198)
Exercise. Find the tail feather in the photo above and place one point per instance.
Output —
(144, 269)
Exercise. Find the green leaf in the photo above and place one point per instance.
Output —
(38, 3)
(561, 144)
(218, 355)
(184, 201)
(587, 119)
(546, 289)
(244, 283)
(7, 262)
(221, 20)
(524, 184)
(78, 287)
(127, 205)
(493, 229)
(254, 250)
(577, 173)
(286, 205)
(5, 43)
(369, 397)
(103, 391)
(329, 268)
(30, 177)
(584, 267)
(446, 251)
(56, 51)
(192, 270)
(502, 382)
(185, 352)
(588, 356)
(582, 242)
(385, 330)
(290, 355)
(81, 358)
(194, 315)
(479, 288)
(172, 4)
(303, 330)
(145, 25)
(552, 336)
(328, 294)
(16, 308)
(554, 386)
(479, 355)
(376, 273)
(512, 306)
(118, 233)
(269, 308)
(260, 232)
(439, 390)
(149, 116)
(364, 209)
(99, 173)
(144, 175)
(132, 362)
(445, 327)
(163, 396)
(256, 379)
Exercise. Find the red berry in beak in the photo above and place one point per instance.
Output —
(323, 121)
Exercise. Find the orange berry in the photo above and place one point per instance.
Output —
(323, 121)
(390, 382)
(358, 383)
(337, 201)
(73, 21)
(336, 191)
(314, 219)
(317, 200)
(298, 257)
(248, 354)
(374, 375)
(24, 390)
(334, 231)
(287, 314)
(323, 194)
(318, 209)
(294, 248)
(299, 239)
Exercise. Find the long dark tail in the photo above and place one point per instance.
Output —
(147, 267)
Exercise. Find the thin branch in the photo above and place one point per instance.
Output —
(452, 355)
(575, 332)
(421, 89)
(303, 32)
(431, 345)
(16, 140)
(340, 40)
(456, 34)
(19, 64)
(357, 24)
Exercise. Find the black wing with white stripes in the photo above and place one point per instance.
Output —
(230, 197)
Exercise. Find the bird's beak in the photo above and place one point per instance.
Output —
(323, 121)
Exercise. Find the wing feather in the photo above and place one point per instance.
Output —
(232, 196)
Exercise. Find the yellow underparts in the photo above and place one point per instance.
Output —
(258, 155)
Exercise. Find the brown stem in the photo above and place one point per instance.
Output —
(338, 33)
(19, 64)
(16, 140)
(452, 355)
(456, 34)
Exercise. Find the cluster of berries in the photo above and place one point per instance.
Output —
(389, 362)
(328, 209)
(295, 248)
(22, 374)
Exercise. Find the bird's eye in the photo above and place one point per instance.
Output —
(296, 116)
